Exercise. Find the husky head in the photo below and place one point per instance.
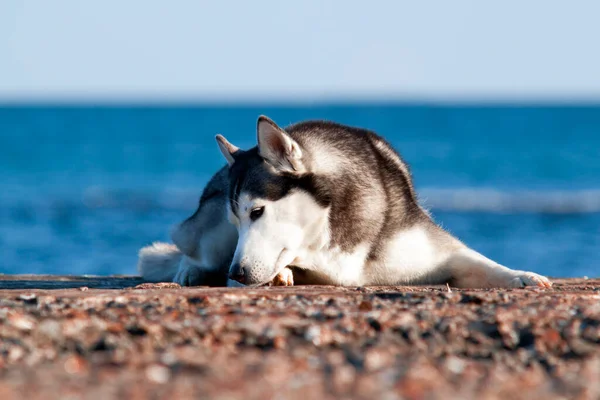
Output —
(279, 207)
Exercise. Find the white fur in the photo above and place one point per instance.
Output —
(163, 262)
(159, 262)
(294, 231)
(335, 266)
(286, 229)
(410, 256)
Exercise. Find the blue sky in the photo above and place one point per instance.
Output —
(304, 50)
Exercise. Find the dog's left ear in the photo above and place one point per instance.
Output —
(227, 149)
(278, 148)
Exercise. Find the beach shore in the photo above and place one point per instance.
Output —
(116, 337)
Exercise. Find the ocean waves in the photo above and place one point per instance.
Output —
(462, 200)
(514, 201)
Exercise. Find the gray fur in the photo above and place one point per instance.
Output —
(203, 243)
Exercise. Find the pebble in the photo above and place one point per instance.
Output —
(158, 374)
(75, 364)
(22, 322)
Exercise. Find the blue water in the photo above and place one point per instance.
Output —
(83, 188)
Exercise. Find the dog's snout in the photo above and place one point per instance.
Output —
(238, 273)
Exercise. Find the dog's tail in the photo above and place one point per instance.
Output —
(159, 262)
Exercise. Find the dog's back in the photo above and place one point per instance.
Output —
(369, 183)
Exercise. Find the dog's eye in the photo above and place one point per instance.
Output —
(256, 213)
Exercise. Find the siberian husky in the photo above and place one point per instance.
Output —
(317, 203)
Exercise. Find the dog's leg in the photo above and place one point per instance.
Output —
(284, 278)
(192, 274)
(469, 269)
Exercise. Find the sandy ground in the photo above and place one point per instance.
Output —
(85, 338)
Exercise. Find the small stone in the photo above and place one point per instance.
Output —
(374, 360)
(169, 358)
(455, 365)
(51, 329)
(552, 338)
(313, 334)
(75, 365)
(365, 306)
(158, 374)
(28, 298)
(22, 322)
(279, 342)
(15, 354)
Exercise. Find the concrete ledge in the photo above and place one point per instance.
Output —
(67, 281)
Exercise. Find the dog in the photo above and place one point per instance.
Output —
(317, 203)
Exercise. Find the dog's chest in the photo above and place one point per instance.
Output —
(405, 257)
(337, 267)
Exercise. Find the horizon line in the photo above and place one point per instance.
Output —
(295, 101)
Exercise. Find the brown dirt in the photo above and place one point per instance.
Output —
(165, 342)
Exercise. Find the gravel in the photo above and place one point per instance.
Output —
(161, 341)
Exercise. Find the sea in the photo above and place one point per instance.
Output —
(83, 187)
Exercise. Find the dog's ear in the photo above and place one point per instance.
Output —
(277, 147)
(227, 149)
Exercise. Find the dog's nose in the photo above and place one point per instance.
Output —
(238, 273)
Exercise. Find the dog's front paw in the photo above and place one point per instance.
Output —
(189, 275)
(284, 278)
(524, 278)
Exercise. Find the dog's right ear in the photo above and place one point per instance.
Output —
(227, 149)
(278, 148)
